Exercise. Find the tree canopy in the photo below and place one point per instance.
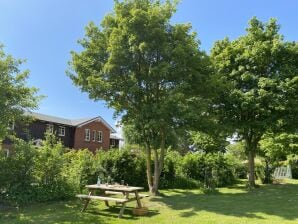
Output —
(144, 67)
(258, 78)
(15, 95)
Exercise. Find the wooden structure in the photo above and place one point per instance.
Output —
(128, 194)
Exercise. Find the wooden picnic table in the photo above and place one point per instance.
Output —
(107, 190)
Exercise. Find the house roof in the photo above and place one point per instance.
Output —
(69, 122)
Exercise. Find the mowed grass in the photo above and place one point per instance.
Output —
(276, 203)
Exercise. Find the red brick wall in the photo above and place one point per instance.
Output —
(79, 137)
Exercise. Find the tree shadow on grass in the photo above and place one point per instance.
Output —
(277, 200)
(67, 212)
(113, 212)
(50, 213)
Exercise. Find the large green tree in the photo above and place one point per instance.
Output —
(145, 68)
(15, 95)
(257, 75)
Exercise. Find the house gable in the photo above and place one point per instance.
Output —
(95, 126)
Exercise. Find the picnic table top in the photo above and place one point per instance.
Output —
(111, 187)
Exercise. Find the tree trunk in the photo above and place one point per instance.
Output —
(154, 190)
(148, 164)
(158, 166)
(251, 166)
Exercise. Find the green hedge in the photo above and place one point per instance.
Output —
(53, 173)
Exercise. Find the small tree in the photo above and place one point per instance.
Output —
(276, 148)
(15, 95)
(258, 73)
(143, 67)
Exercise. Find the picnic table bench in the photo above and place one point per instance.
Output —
(108, 190)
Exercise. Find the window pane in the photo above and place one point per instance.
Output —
(94, 135)
(87, 134)
(99, 136)
(61, 131)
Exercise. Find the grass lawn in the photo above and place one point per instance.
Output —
(268, 204)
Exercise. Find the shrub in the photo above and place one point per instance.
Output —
(212, 170)
(221, 170)
(16, 174)
(79, 169)
(193, 166)
(170, 169)
(127, 165)
(240, 169)
(51, 173)
(49, 164)
(293, 162)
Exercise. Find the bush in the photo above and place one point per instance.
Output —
(169, 175)
(127, 165)
(193, 166)
(16, 174)
(212, 170)
(79, 169)
(48, 172)
(240, 169)
(51, 173)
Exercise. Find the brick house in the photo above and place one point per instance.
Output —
(92, 133)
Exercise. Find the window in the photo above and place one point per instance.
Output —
(50, 128)
(99, 136)
(87, 135)
(61, 131)
(94, 136)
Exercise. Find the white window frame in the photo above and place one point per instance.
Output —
(50, 128)
(99, 136)
(87, 135)
(94, 135)
(61, 131)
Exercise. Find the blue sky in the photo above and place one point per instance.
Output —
(44, 32)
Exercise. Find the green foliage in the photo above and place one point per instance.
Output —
(115, 165)
(237, 150)
(256, 76)
(208, 143)
(145, 68)
(238, 166)
(274, 148)
(33, 174)
(16, 174)
(277, 147)
(170, 177)
(198, 169)
(15, 95)
(51, 173)
(293, 162)
(49, 165)
(79, 169)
